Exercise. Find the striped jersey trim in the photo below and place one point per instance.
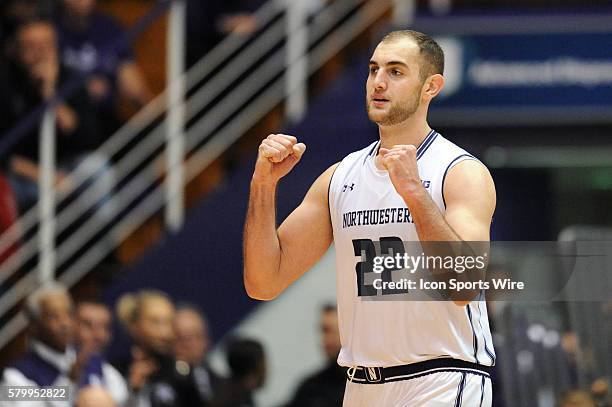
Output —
(482, 390)
(460, 391)
(484, 336)
(474, 336)
(426, 143)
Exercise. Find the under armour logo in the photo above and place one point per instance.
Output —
(348, 186)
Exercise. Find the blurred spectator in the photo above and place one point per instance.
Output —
(92, 43)
(51, 359)
(154, 376)
(577, 398)
(325, 388)
(93, 332)
(208, 22)
(14, 12)
(93, 324)
(247, 363)
(600, 389)
(35, 74)
(192, 345)
(94, 396)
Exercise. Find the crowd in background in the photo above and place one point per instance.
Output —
(544, 359)
(45, 45)
(167, 360)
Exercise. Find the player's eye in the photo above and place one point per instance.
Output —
(396, 72)
(373, 69)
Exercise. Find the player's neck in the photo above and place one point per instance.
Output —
(408, 132)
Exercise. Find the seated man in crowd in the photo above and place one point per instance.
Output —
(52, 360)
(93, 334)
(155, 378)
(247, 362)
(325, 388)
(13, 12)
(191, 346)
(90, 43)
(35, 76)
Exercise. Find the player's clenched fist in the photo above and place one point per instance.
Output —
(401, 163)
(278, 154)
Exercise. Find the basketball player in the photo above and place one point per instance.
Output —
(415, 185)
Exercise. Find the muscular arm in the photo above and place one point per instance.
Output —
(469, 193)
(273, 259)
(468, 190)
(470, 202)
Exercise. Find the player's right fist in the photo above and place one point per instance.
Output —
(278, 154)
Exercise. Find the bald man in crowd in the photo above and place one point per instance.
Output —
(52, 358)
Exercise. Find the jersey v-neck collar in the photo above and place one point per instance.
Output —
(421, 149)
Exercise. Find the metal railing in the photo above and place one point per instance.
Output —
(217, 114)
(547, 348)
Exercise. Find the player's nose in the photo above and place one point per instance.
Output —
(380, 82)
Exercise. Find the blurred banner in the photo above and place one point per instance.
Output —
(526, 79)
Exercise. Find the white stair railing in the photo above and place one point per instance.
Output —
(326, 32)
(146, 146)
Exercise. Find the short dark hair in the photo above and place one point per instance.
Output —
(34, 20)
(328, 307)
(429, 50)
(244, 356)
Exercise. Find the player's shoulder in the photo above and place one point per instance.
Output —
(448, 154)
(320, 187)
(446, 147)
(462, 168)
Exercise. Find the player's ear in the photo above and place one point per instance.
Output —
(432, 86)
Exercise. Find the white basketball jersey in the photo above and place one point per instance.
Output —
(364, 205)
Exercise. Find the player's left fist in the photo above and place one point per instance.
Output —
(401, 163)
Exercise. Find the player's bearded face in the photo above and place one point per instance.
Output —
(398, 111)
(394, 84)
